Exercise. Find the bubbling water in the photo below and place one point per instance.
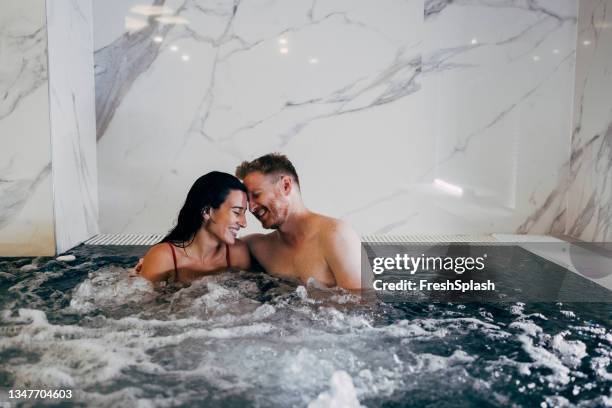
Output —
(241, 338)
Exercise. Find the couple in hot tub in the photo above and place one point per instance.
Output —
(303, 245)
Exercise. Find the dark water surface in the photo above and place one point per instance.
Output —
(245, 339)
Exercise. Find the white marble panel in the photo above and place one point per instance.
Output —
(497, 80)
(332, 84)
(589, 212)
(26, 209)
(73, 126)
(373, 101)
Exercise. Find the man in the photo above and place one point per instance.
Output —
(304, 244)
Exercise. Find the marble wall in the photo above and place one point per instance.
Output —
(498, 83)
(400, 116)
(589, 209)
(26, 201)
(73, 121)
(48, 177)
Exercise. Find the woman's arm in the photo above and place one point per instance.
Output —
(157, 264)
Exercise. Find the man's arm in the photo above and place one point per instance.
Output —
(343, 255)
(240, 257)
(251, 240)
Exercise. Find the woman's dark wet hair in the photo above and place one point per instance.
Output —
(209, 191)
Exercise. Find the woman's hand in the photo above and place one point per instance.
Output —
(137, 268)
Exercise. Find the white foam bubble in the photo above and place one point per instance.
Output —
(568, 313)
(38, 317)
(69, 355)
(407, 329)
(29, 267)
(263, 312)
(341, 393)
(544, 358)
(108, 288)
(600, 367)
(571, 352)
(517, 309)
(66, 258)
(527, 327)
(433, 362)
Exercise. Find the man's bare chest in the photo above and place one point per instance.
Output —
(298, 262)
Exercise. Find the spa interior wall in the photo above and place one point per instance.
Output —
(48, 181)
(26, 196)
(589, 208)
(401, 117)
(73, 121)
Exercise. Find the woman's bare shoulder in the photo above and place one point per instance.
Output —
(158, 263)
(160, 252)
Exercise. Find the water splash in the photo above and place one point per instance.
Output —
(243, 338)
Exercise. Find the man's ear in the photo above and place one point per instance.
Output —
(286, 184)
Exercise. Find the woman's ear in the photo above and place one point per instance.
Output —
(206, 213)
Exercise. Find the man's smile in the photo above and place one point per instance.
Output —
(260, 213)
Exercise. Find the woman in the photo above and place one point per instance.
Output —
(204, 238)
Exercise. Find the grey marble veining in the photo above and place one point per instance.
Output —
(26, 206)
(591, 221)
(115, 77)
(402, 99)
(24, 62)
(73, 128)
(519, 43)
(517, 64)
(221, 116)
(16, 192)
(48, 174)
(589, 202)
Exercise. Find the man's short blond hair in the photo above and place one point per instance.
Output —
(272, 163)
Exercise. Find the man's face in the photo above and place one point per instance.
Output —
(267, 201)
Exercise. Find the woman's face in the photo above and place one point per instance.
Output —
(225, 222)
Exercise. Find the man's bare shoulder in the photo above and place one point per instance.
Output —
(332, 228)
(239, 244)
(341, 245)
(258, 238)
